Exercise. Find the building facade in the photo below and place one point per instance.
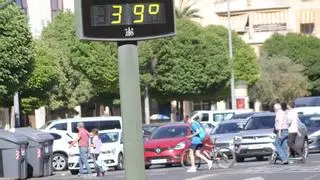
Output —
(41, 12)
(257, 20)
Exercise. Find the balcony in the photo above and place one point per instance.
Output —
(220, 6)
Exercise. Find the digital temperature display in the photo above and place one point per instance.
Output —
(124, 20)
(128, 14)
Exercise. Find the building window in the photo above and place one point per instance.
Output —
(56, 7)
(201, 105)
(307, 28)
(23, 5)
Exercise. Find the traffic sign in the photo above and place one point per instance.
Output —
(124, 20)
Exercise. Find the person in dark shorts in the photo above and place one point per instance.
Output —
(197, 136)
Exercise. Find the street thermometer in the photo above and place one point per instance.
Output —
(126, 22)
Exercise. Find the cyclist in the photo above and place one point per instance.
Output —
(197, 136)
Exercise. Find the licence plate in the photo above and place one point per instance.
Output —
(158, 161)
(23, 152)
(254, 147)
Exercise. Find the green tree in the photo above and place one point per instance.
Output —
(300, 49)
(16, 51)
(68, 71)
(43, 79)
(186, 10)
(195, 63)
(281, 78)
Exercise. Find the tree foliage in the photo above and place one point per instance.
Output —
(195, 63)
(187, 10)
(301, 49)
(281, 79)
(16, 51)
(69, 71)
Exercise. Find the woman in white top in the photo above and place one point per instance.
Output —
(292, 119)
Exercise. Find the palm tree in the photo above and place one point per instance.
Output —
(187, 11)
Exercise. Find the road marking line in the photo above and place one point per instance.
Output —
(201, 177)
(254, 178)
(311, 177)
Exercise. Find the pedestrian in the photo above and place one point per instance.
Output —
(197, 136)
(96, 149)
(293, 121)
(83, 142)
(281, 130)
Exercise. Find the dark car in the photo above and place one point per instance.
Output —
(312, 122)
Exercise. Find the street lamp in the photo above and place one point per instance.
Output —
(233, 101)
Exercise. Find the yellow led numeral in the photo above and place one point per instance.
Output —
(154, 9)
(117, 14)
(139, 11)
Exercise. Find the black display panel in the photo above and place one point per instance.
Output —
(125, 20)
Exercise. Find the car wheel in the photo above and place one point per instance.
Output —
(74, 172)
(260, 158)
(120, 162)
(239, 159)
(59, 162)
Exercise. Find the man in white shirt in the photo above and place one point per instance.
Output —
(293, 121)
(281, 130)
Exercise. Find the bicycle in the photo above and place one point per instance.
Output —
(218, 155)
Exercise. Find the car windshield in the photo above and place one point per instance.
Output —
(46, 125)
(242, 116)
(260, 122)
(170, 132)
(312, 122)
(227, 128)
(109, 137)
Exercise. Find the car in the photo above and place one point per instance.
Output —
(167, 144)
(148, 129)
(312, 123)
(61, 143)
(70, 125)
(111, 152)
(257, 138)
(215, 117)
(225, 132)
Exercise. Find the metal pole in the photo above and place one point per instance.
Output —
(146, 105)
(233, 101)
(16, 109)
(131, 110)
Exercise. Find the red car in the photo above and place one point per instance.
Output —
(166, 145)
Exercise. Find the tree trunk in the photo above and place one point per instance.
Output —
(146, 105)
(181, 110)
(173, 111)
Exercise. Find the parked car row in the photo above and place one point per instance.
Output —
(64, 131)
(248, 133)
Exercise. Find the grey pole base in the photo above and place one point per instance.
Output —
(131, 110)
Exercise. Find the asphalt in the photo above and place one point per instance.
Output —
(249, 170)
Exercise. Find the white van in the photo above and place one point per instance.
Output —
(70, 125)
(215, 117)
(308, 110)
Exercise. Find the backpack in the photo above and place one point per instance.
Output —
(202, 133)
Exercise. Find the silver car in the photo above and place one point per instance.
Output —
(225, 132)
(257, 138)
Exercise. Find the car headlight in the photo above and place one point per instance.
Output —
(179, 146)
(109, 151)
(237, 139)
